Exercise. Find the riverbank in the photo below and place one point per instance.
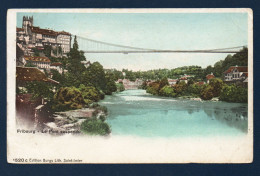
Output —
(72, 120)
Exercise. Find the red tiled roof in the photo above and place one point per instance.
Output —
(56, 64)
(183, 78)
(210, 77)
(48, 31)
(19, 29)
(200, 83)
(239, 68)
(37, 58)
(32, 74)
(64, 33)
(43, 31)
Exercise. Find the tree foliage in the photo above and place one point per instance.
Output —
(95, 127)
(234, 93)
(40, 89)
(207, 93)
(68, 98)
(90, 93)
(217, 85)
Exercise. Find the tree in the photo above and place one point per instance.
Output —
(234, 93)
(163, 82)
(89, 93)
(180, 87)
(194, 89)
(75, 44)
(120, 87)
(68, 98)
(57, 76)
(110, 84)
(167, 91)
(95, 76)
(47, 50)
(217, 85)
(153, 88)
(74, 66)
(207, 93)
(40, 89)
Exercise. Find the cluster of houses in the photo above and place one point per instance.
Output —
(29, 37)
(233, 74)
(42, 63)
(130, 84)
(30, 68)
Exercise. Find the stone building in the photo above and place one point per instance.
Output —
(30, 36)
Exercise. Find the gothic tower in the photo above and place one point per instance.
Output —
(27, 22)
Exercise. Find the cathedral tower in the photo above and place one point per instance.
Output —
(27, 22)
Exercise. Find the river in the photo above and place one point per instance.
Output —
(137, 113)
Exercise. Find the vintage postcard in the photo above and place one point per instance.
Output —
(129, 86)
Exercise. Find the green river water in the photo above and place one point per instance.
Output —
(137, 113)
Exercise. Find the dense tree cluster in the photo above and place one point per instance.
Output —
(215, 88)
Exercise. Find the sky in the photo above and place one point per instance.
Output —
(175, 31)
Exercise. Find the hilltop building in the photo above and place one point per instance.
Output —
(30, 36)
(236, 73)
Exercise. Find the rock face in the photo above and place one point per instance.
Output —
(69, 120)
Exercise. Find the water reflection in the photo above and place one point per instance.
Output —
(138, 113)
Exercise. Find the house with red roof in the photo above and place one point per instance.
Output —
(209, 77)
(39, 62)
(172, 81)
(236, 73)
(184, 79)
(200, 83)
(57, 66)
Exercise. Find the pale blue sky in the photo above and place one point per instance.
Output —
(158, 31)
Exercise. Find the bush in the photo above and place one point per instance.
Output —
(120, 87)
(234, 93)
(167, 91)
(207, 93)
(68, 98)
(95, 127)
(102, 118)
(102, 108)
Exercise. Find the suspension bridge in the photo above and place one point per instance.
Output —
(94, 46)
